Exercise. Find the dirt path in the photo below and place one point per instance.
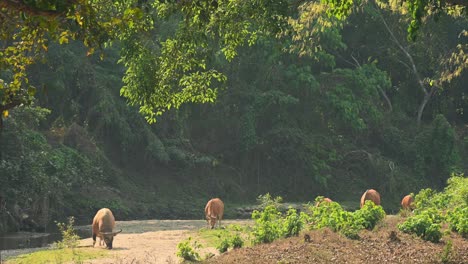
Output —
(151, 241)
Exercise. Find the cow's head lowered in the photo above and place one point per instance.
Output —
(109, 237)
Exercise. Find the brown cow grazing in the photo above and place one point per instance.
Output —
(407, 202)
(103, 226)
(325, 200)
(371, 195)
(214, 211)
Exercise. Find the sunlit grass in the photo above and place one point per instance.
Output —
(66, 255)
(213, 237)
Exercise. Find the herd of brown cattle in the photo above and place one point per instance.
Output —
(104, 221)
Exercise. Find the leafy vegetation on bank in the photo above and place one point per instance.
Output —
(188, 250)
(435, 208)
(65, 255)
(64, 251)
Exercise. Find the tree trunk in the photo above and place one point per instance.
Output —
(422, 106)
(427, 93)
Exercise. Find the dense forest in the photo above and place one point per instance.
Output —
(176, 102)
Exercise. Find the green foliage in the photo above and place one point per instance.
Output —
(457, 188)
(433, 209)
(69, 237)
(293, 223)
(65, 255)
(35, 174)
(315, 34)
(234, 241)
(28, 26)
(222, 239)
(353, 101)
(267, 200)
(179, 68)
(369, 215)
(223, 246)
(333, 216)
(436, 154)
(267, 226)
(446, 253)
(426, 225)
(458, 220)
(339, 8)
(188, 250)
(237, 241)
(454, 195)
(270, 224)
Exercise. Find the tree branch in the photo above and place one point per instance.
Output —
(389, 103)
(410, 58)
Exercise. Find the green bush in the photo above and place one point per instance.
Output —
(223, 246)
(270, 224)
(458, 220)
(69, 237)
(369, 215)
(237, 241)
(333, 216)
(267, 226)
(426, 225)
(293, 223)
(266, 200)
(188, 251)
(433, 208)
(458, 189)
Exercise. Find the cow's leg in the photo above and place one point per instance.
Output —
(94, 239)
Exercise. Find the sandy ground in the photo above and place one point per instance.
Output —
(151, 241)
(148, 247)
(143, 241)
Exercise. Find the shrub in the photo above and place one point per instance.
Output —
(69, 237)
(458, 189)
(223, 246)
(188, 251)
(369, 215)
(266, 200)
(426, 225)
(292, 224)
(333, 216)
(237, 241)
(433, 208)
(458, 220)
(267, 226)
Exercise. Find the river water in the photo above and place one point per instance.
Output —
(20, 240)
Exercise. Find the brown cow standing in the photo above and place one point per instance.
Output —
(325, 200)
(372, 195)
(407, 202)
(103, 226)
(214, 211)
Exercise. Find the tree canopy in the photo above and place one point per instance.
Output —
(167, 69)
